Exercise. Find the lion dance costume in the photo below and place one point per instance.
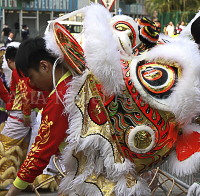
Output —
(130, 112)
(131, 105)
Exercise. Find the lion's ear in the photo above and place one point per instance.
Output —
(73, 52)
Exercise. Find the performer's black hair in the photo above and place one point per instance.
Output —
(11, 53)
(30, 53)
(195, 30)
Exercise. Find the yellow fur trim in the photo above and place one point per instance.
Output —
(10, 158)
(2, 126)
(10, 170)
(3, 193)
(9, 142)
(10, 151)
(51, 185)
(6, 183)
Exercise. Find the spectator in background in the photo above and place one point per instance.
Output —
(164, 30)
(175, 34)
(16, 25)
(136, 20)
(178, 29)
(170, 29)
(10, 38)
(25, 32)
(182, 26)
(158, 26)
(5, 33)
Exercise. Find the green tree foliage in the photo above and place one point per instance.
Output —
(185, 6)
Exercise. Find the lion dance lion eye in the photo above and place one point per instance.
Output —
(157, 78)
(123, 26)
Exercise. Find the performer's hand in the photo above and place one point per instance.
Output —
(13, 191)
(194, 190)
(27, 121)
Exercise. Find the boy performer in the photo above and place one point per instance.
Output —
(14, 137)
(42, 61)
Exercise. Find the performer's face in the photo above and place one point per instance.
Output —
(11, 64)
(42, 78)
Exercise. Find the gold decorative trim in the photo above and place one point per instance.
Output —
(12, 152)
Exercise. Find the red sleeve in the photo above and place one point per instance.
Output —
(25, 93)
(4, 94)
(51, 133)
(7, 97)
(13, 82)
(26, 105)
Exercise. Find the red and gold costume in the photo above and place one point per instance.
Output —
(20, 96)
(50, 135)
(13, 142)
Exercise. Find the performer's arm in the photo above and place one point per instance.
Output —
(4, 94)
(50, 135)
(26, 96)
(13, 191)
(13, 82)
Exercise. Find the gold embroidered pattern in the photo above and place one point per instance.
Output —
(41, 139)
(21, 93)
(86, 93)
(2, 52)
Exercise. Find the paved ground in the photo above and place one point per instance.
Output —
(159, 192)
(41, 192)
